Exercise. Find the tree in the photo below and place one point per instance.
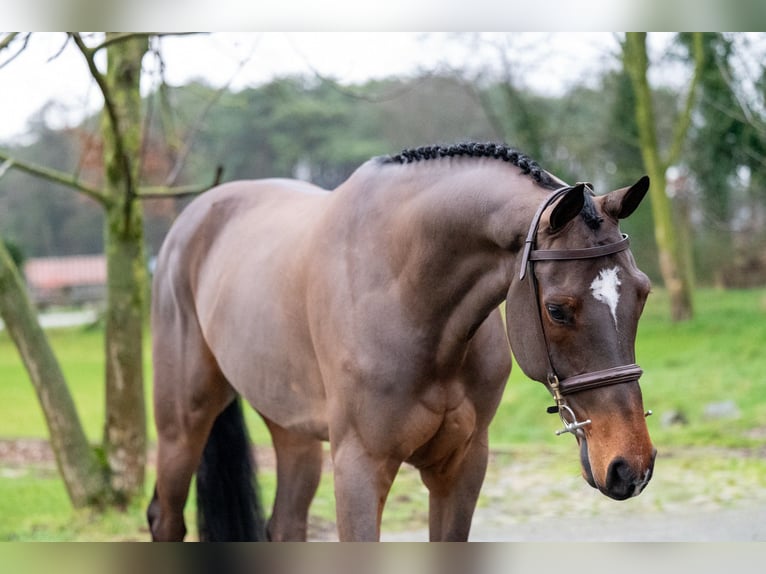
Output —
(124, 441)
(515, 114)
(125, 426)
(46, 218)
(724, 138)
(673, 259)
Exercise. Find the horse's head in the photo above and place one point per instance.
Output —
(572, 312)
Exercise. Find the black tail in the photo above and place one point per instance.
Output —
(228, 502)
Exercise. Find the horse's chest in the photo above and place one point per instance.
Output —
(453, 431)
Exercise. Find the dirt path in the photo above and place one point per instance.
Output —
(739, 523)
(697, 494)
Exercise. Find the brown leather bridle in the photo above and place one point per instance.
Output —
(561, 387)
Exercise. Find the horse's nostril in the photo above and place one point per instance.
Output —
(620, 480)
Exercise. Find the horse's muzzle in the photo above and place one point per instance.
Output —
(624, 481)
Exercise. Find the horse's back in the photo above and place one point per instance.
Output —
(231, 224)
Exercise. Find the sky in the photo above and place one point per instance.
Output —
(44, 72)
(50, 69)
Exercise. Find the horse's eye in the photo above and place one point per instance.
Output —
(557, 313)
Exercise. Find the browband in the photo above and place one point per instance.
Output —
(585, 253)
(530, 254)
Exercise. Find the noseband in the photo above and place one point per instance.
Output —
(586, 381)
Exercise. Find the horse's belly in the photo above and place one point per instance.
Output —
(296, 403)
(252, 316)
(281, 382)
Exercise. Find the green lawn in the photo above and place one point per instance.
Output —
(717, 357)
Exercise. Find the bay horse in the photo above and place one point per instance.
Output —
(369, 317)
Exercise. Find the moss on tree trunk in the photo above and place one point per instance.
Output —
(125, 425)
(671, 252)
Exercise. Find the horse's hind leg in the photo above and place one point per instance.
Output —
(189, 393)
(177, 460)
(299, 470)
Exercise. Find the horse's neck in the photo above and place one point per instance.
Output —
(448, 238)
(472, 215)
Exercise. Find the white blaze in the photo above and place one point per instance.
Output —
(605, 289)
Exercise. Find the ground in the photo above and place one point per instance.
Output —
(697, 494)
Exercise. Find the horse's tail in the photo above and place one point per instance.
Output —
(228, 501)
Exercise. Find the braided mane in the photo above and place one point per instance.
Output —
(527, 165)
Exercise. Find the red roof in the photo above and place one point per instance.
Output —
(60, 272)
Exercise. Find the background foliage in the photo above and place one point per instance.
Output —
(317, 129)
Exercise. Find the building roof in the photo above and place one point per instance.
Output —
(47, 273)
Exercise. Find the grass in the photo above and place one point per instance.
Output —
(717, 357)
(34, 507)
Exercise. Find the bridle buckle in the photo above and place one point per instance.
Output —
(571, 426)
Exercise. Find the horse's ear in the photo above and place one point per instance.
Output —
(568, 207)
(623, 202)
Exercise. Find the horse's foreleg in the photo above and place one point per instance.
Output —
(299, 469)
(362, 483)
(453, 492)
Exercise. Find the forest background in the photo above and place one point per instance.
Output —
(314, 127)
(157, 143)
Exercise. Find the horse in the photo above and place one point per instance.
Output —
(369, 316)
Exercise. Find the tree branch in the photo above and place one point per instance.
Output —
(163, 191)
(748, 116)
(55, 176)
(396, 92)
(113, 39)
(189, 140)
(481, 96)
(111, 111)
(685, 119)
(61, 49)
(7, 164)
(7, 42)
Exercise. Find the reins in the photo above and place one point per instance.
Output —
(561, 387)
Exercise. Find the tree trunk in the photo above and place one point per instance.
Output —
(83, 475)
(671, 259)
(125, 427)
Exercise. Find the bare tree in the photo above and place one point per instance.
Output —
(673, 258)
(125, 435)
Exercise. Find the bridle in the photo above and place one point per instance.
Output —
(560, 388)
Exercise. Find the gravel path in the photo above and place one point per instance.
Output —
(739, 523)
(742, 523)
(696, 494)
